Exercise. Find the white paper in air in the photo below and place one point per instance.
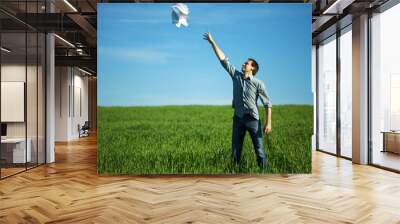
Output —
(180, 14)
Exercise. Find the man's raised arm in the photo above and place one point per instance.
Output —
(220, 55)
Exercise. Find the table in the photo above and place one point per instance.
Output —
(391, 141)
(13, 150)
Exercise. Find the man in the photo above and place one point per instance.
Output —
(246, 91)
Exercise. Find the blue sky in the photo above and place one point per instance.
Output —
(144, 59)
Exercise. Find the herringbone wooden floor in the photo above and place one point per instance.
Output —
(70, 191)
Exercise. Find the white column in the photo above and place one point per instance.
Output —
(50, 92)
(314, 92)
(360, 90)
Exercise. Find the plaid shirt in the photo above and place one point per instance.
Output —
(246, 92)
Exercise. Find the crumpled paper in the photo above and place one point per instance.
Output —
(180, 14)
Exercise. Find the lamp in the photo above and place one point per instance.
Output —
(70, 5)
(84, 71)
(64, 40)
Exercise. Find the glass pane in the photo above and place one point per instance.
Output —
(14, 153)
(31, 100)
(346, 93)
(327, 96)
(41, 98)
(386, 89)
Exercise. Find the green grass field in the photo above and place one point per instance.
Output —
(197, 140)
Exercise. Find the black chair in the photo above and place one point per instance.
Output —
(84, 130)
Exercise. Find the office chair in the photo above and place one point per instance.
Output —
(84, 130)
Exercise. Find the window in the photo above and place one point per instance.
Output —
(346, 92)
(327, 95)
(385, 88)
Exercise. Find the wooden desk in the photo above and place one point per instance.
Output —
(13, 150)
(391, 141)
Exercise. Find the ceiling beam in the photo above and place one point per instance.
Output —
(85, 25)
(81, 61)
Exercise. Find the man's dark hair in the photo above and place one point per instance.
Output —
(255, 66)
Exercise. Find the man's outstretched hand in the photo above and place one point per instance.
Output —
(220, 55)
(267, 129)
(207, 36)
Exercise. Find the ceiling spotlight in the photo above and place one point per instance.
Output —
(5, 50)
(79, 51)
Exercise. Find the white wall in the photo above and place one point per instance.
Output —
(14, 72)
(62, 82)
(13, 101)
(80, 109)
(71, 87)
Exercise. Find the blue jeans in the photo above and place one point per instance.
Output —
(253, 126)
